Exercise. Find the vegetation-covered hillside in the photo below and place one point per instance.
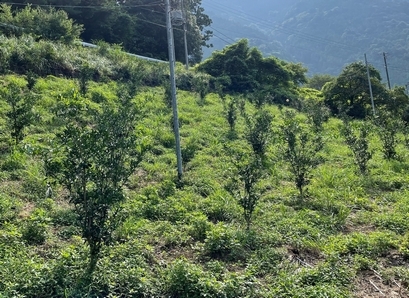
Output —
(324, 35)
(278, 198)
(138, 25)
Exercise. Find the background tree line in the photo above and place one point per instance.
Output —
(138, 25)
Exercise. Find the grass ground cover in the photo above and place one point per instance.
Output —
(348, 236)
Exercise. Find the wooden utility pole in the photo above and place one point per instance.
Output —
(370, 86)
(387, 72)
(171, 49)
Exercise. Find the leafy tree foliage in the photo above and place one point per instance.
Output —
(98, 160)
(300, 150)
(349, 93)
(231, 113)
(356, 137)
(398, 101)
(317, 114)
(319, 80)
(388, 127)
(259, 133)
(244, 184)
(48, 24)
(247, 70)
(21, 113)
(139, 25)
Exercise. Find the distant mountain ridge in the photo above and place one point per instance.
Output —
(325, 35)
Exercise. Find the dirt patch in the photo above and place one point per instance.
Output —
(304, 257)
(371, 284)
(26, 210)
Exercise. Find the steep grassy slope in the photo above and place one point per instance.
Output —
(348, 238)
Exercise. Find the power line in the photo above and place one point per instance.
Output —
(227, 42)
(222, 34)
(267, 25)
(87, 7)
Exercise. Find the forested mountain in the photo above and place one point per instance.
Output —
(324, 35)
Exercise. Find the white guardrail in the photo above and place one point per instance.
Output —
(90, 45)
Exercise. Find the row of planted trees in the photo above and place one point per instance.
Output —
(300, 141)
(92, 157)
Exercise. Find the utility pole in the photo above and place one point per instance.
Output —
(370, 86)
(407, 88)
(386, 68)
(184, 36)
(171, 48)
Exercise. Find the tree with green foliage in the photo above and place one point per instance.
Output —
(300, 150)
(246, 68)
(244, 184)
(388, 126)
(397, 101)
(356, 137)
(48, 24)
(349, 92)
(231, 113)
(200, 84)
(99, 157)
(85, 75)
(21, 113)
(318, 81)
(317, 114)
(297, 72)
(258, 131)
(138, 25)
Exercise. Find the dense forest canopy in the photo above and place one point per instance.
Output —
(324, 35)
(139, 25)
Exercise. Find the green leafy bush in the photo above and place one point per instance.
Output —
(35, 227)
(300, 150)
(357, 140)
(388, 128)
(49, 24)
(221, 243)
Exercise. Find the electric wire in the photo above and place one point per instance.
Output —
(83, 6)
(267, 25)
(222, 33)
(224, 8)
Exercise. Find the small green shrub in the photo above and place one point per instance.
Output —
(388, 127)
(186, 280)
(199, 226)
(404, 245)
(357, 140)
(244, 186)
(221, 243)
(8, 208)
(35, 227)
(231, 113)
(369, 245)
(258, 131)
(317, 114)
(300, 150)
(219, 206)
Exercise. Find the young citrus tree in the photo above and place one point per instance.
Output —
(357, 139)
(258, 131)
(99, 157)
(300, 150)
(21, 113)
(244, 184)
